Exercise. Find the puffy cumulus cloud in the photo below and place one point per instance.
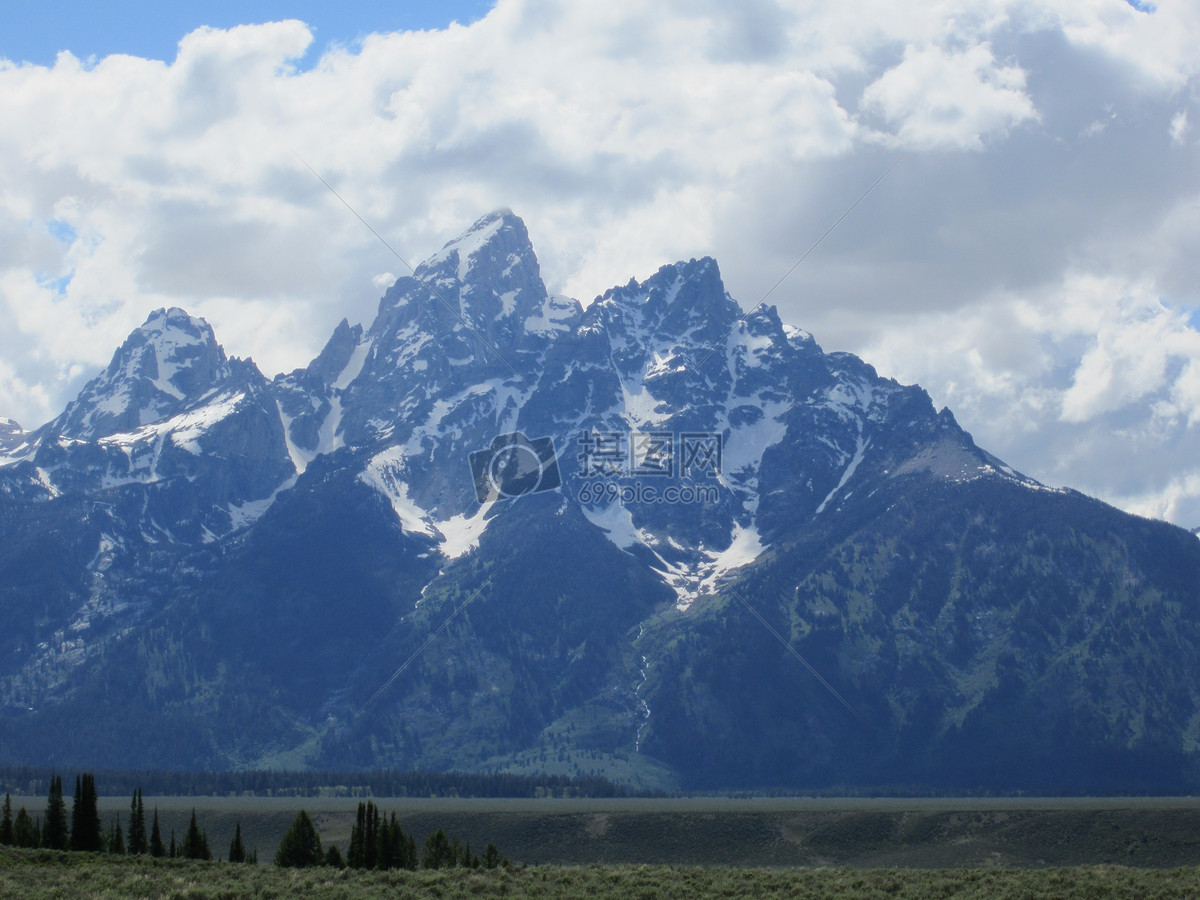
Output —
(1154, 45)
(1174, 501)
(946, 99)
(1034, 271)
(1092, 383)
(1179, 128)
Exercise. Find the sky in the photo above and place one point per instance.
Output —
(1032, 257)
(36, 32)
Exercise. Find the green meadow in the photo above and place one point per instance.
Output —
(50, 875)
(761, 832)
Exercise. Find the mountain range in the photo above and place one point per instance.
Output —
(658, 538)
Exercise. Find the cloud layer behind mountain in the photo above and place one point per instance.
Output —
(1033, 258)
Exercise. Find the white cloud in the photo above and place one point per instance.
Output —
(1034, 271)
(943, 99)
(1174, 502)
(1091, 383)
(1179, 127)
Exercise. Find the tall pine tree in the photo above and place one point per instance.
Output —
(385, 856)
(137, 825)
(364, 837)
(354, 854)
(371, 838)
(237, 850)
(6, 824)
(25, 831)
(377, 842)
(156, 841)
(301, 845)
(115, 842)
(195, 842)
(396, 849)
(55, 835)
(86, 830)
(75, 811)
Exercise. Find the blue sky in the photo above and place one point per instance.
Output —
(36, 31)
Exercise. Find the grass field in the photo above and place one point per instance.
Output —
(44, 874)
(863, 834)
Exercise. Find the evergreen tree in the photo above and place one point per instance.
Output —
(75, 813)
(379, 843)
(137, 825)
(301, 845)
(115, 842)
(156, 843)
(491, 857)
(195, 842)
(364, 837)
(371, 837)
(401, 848)
(6, 824)
(86, 829)
(385, 856)
(173, 852)
(237, 850)
(25, 832)
(439, 852)
(355, 855)
(54, 829)
(333, 857)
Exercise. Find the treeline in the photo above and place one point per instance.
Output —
(52, 829)
(379, 842)
(85, 832)
(376, 841)
(32, 781)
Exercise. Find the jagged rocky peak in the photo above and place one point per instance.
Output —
(765, 322)
(497, 246)
(798, 337)
(172, 359)
(761, 335)
(694, 281)
(487, 279)
(680, 312)
(11, 434)
(679, 298)
(333, 358)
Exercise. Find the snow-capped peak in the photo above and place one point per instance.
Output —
(479, 301)
(172, 359)
(11, 435)
(499, 236)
